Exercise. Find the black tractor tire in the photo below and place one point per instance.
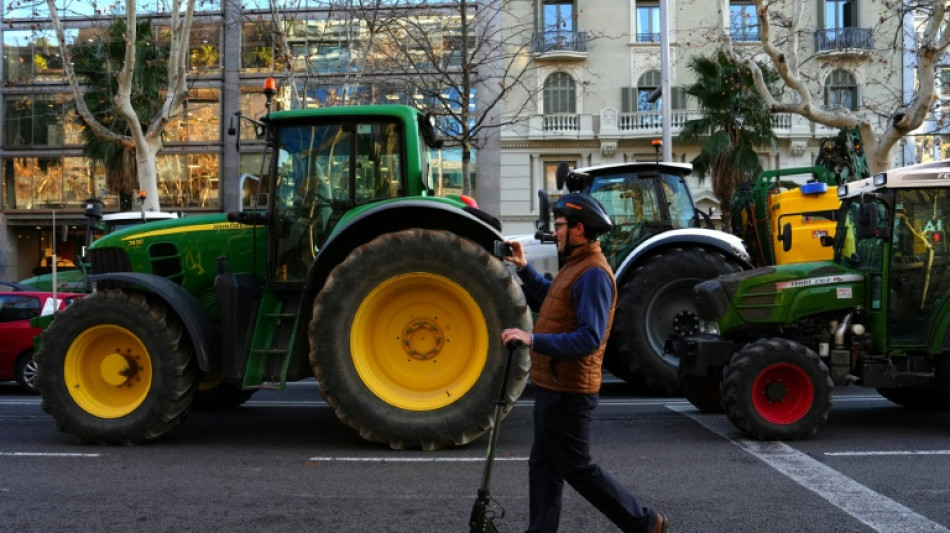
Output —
(25, 373)
(777, 389)
(703, 391)
(406, 339)
(116, 367)
(655, 300)
(918, 399)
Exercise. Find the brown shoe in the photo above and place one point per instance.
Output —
(660, 525)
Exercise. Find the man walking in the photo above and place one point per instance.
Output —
(567, 350)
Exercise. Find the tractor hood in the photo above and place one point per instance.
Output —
(778, 294)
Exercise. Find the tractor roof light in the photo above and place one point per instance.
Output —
(842, 190)
(880, 180)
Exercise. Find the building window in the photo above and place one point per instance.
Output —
(839, 14)
(648, 22)
(841, 91)
(47, 182)
(32, 56)
(560, 94)
(188, 180)
(199, 118)
(257, 48)
(205, 52)
(39, 120)
(743, 21)
(646, 85)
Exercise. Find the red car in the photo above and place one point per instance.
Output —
(17, 307)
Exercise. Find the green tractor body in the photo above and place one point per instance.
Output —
(775, 340)
(354, 274)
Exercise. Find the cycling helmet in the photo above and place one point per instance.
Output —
(583, 208)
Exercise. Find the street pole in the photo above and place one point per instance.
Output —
(665, 79)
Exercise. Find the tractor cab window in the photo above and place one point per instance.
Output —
(862, 233)
(679, 202)
(321, 171)
(919, 281)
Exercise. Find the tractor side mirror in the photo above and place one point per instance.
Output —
(561, 173)
(543, 224)
(785, 237)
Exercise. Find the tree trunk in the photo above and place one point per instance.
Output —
(146, 157)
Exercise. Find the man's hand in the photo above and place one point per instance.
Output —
(517, 256)
(515, 333)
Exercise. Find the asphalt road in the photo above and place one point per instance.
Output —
(284, 463)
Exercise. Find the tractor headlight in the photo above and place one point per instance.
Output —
(709, 328)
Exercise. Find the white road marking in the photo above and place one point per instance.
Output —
(887, 453)
(410, 459)
(868, 507)
(41, 454)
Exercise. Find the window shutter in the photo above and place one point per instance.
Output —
(679, 98)
(628, 99)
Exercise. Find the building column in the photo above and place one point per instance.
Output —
(231, 104)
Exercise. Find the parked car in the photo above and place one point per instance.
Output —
(18, 304)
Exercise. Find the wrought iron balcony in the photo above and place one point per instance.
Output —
(841, 39)
(556, 41)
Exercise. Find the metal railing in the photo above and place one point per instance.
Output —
(844, 38)
(560, 41)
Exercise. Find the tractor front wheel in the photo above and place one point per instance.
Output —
(116, 367)
(406, 339)
(777, 389)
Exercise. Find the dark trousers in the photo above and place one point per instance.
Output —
(561, 453)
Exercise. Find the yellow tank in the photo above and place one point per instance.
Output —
(799, 218)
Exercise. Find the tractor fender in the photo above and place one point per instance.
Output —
(470, 223)
(730, 245)
(182, 303)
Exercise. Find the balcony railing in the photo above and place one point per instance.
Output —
(835, 39)
(638, 125)
(561, 123)
(648, 37)
(560, 41)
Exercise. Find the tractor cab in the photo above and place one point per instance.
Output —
(643, 199)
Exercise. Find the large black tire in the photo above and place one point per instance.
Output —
(406, 339)
(656, 300)
(116, 367)
(777, 389)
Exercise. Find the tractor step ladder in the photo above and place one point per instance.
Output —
(272, 346)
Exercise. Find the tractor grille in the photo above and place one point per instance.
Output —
(757, 302)
(166, 261)
(106, 260)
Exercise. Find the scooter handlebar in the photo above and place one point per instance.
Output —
(514, 344)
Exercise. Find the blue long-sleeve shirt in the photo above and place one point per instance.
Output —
(591, 295)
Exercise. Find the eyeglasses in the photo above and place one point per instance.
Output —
(557, 225)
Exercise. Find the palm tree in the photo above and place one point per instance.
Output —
(735, 123)
(98, 62)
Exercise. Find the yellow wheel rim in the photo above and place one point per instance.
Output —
(108, 371)
(419, 341)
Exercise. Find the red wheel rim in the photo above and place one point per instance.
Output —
(782, 393)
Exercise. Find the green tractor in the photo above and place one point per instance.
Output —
(354, 274)
(774, 341)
